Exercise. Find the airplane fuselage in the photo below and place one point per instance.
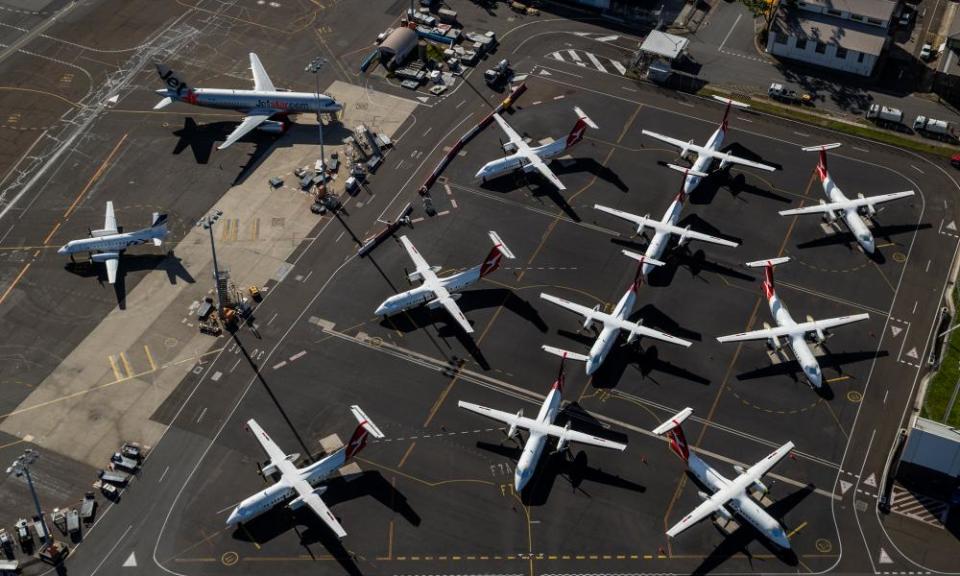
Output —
(608, 334)
(517, 161)
(658, 244)
(536, 441)
(424, 293)
(264, 500)
(247, 100)
(801, 351)
(704, 162)
(740, 502)
(851, 216)
(112, 242)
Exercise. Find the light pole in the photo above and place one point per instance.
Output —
(21, 467)
(314, 67)
(207, 223)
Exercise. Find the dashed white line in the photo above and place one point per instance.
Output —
(279, 364)
(914, 307)
(453, 202)
(235, 364)
(164, 475)
(742, 119)
(804, 134)
(687, 104)
(927, 269)
(560, 97)
(917, 169)
(628, 89)
(298, 355)
(462, 102)
(857, 148)
(202, 413)
(537, 102)
(595, 62)
(428, 130)
(885, 395)
(339, 237)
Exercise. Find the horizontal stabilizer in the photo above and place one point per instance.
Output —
(673, 422)
(730, 101)
(689, 171)
(498, 242)
(565, 353)
(820, 147)
(769, 262)
(586, 119)
(641, 258)
(366, 422)
(163, 103)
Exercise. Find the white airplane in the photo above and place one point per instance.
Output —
(616, 321)
(541, 427)
(728, 497)
(436, 292)
(839, 206)
(666, 226)
(260, 104)
(788, 328)
(711, 151)
(534, 159)
(301, 484)
(106, 244)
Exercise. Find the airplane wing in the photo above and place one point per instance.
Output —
(845, 204)
(664, 227)
(515, 138)
(418, 260)
(261, 81)
(444, 299)
(307, 495)
(499, 415)
(250, 122)
(534, 162)
(582, 438)
(757, 471)
(273, 452)
(572, 306)
(801, 328)
(641, 330)
(112, 264)
(706, 508)
(700, 150)
(109, 220)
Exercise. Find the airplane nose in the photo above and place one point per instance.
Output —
(62, 250)
(592, 366)
(869, 246)
(381, 310)
(520, 479)
(815, 377)
(233, 519)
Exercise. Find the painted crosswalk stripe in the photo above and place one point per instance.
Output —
(573, 55)
(596, 62)
(557, 56)
(620, 68)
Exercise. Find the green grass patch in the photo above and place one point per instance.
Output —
(434, 53)
(862, 130)
(941, 385)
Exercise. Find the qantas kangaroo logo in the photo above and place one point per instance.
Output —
(678, 443)
(492, 261)
(768, 288)
(577, 133)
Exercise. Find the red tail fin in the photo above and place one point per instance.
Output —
(726, 115)
(768, 288)
(576, 134)
(491, 262)
(678, 443)
(558, 383)
(822, 165)
(357, 441)
(637, 278)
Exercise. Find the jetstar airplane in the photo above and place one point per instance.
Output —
(666, 226)
(108, 243)
(729, 497)
(260, 104)
(528, 159)
(788, 328)
(711, 151)
(301, 484)
(851, 211)
(541, 427)
(436, 292)
(616, 321)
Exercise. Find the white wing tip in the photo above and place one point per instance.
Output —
(676, 420)
(642, 258)
(768, 262)
(689, 171)
(565, 353)
(820, 147)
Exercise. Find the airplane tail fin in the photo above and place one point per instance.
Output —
(175, 84)
(673, 430)
(583, 121)
(822, 163)
(563, 354)
(768, 286)
(365, 428)
(499, 250)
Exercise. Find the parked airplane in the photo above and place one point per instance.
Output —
(666, 226)
(541, 427)
(729, 497)
(839, 206)
(302, 484)
(106, 244)
(436, 292)
(531, 159)
(711, 151)
(615, 321)
(788, 328)
(260, 104)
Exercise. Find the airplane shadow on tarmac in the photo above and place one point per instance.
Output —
(845, 238)
(735, 184)
(281, 519)
(168, 262)
(834, 361)
(537, 186)
(554, 464)
(739, 539)
(676, 257)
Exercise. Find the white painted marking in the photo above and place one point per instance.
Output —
(272, 318)
(339, 237)
(427, 131)
(952, 225)
(860, 149)
(915, 302)
(216, 375)
(917, 169)
(557, 56)
(131, 561)
(927, 269)
(844, 486)
(606, 38)
(279, 365)
(164, 475)
(628, 89)
(453, 202)
(871, 480)
(742, 119)
(727, 37)
(896, 330)
(912, 353)
(560, 97)
(620, 67)
(202, 414)
(884, 557)
(573, 54)
(885, 394)
(595, 62)
(462, 102)
(423, 99)
(545, 73)
(801, 134)
(298, 355)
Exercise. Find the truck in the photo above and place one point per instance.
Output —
(24, 537)
(73, 522)
(780, 92)
(88, 507)
(933, 128)
(114, 477)
(447, 16)
(121, 461)
(884, 115)
(498, 73)
(6, 544)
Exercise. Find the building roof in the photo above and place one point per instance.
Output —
(663, 44)
(400, 41)
(879, 9)
(937, 429)
(831, 30)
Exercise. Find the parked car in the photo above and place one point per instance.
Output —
(926, 53)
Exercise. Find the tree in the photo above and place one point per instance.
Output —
(766, 9)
